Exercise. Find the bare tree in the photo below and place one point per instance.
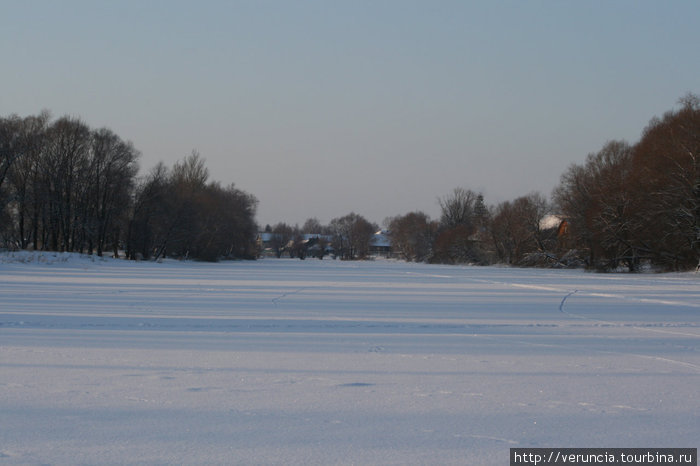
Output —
(186, 183)
(462, 228)
(459, 208)
(149, 215)
(313, 226)
(516, 228)
(26, 180)
(112, 172)
(10, 147)
(66, 165)
(351, 236)
(412, 236)
(225, 225)
(596, 199)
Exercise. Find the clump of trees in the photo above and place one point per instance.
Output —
(298, 242)
(462, 227)
(63, 185)
(626, 206)
(67, 187)
(179, 213)
(348, 237)
(630, 205)
(352, 234)
(413, 236)
(518, 234)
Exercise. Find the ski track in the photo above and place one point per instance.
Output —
(569, 294)
(276, 300)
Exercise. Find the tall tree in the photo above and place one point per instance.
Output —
(26, 179)
(666, 171)
(149, 218)
(112, 172)
(66, 165)
(10, 146)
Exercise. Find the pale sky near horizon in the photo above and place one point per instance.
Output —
(320, 108)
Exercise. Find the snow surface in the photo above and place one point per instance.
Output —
(329, 362)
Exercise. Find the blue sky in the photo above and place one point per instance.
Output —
(319, 108)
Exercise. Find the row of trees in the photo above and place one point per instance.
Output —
(67, 187)
(627, 205)
(62, 185)
(513, 232)
(467, 232)
(350, 237)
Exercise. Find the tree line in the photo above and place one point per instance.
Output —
(626, 206)
(67, 187)
(635, 204)
(348, 237)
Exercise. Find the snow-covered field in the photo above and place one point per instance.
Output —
(329, 362)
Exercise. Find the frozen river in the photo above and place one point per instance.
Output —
(329, 362)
